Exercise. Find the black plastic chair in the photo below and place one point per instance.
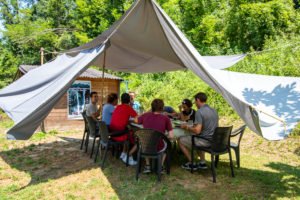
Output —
(106, 141)
(148, 140)
(220, 144)
(85, 131)
(93, 133)
(236, 146)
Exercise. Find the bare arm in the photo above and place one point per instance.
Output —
(183, 117)
(171, 134)
(95, 115)
(196, 129)
(135, 120)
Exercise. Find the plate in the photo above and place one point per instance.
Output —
(178, 123)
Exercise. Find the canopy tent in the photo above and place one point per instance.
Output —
(146, 40)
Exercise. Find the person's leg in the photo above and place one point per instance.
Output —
(147, 168)
(147, 161)
(184, 144)
(202, 143)
(164, 158)
(131, 161)
(201, 155)
(132, 150)
(125, 148)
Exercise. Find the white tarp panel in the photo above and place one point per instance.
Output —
(240, 89)
(223, 62)
(30, 99)
(275, 99)
(146, 40)
(139, 44)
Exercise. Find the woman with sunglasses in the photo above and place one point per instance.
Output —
(186, 111)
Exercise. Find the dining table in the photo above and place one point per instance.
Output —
(177, 130)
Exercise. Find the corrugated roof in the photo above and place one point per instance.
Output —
(89, 73)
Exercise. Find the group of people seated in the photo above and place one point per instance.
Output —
(117, 117)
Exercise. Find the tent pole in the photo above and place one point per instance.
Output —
(42, 62)
(273, 116)
(102, 90)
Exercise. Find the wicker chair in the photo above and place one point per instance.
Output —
(148, 140)
(106, 141)
(93, 132)
(220, 144)
(236, 146)
(85, 132)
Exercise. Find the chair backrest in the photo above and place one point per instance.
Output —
(84, 116)
(92, 126)
(104, 133)
(221, 139)
(148, 140)
(240, 131)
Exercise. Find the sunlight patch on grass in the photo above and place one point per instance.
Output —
(51, 166)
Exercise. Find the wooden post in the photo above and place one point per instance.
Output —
(102, 89)
(42, 62)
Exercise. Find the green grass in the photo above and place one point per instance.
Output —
(51, 166)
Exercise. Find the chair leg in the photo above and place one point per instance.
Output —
(168, 163)
(104, 156)
(82, 141)
(217, 161)
(231, 164)
(237, 155)
(213, 170)
(113, 150)
(159, 161)
(192, 156)
(93, 147)
(97, 150)
(116, 151)
(87, 141)
(153, 164)
(127, 158)
(138, 166)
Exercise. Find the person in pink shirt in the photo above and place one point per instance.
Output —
(157, 121)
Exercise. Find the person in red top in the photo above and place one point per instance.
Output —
(157, 121)
(119, 122)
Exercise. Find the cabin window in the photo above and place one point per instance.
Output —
(78, 98)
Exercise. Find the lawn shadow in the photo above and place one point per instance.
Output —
(61, 158)
(281, 181)
(47, 161)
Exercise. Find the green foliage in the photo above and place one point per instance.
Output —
(250, 24)
(8, 66)
(95, 16)
(284, 61)
(296, 131)
(172, 87)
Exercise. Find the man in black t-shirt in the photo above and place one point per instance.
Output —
(186, 111)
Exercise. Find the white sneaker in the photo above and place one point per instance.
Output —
(131, 162)
(122, 155)
(124, 158)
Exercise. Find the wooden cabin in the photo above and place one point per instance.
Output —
(66, 114)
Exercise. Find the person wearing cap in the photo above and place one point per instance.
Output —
(170, 112)
(186, 111)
